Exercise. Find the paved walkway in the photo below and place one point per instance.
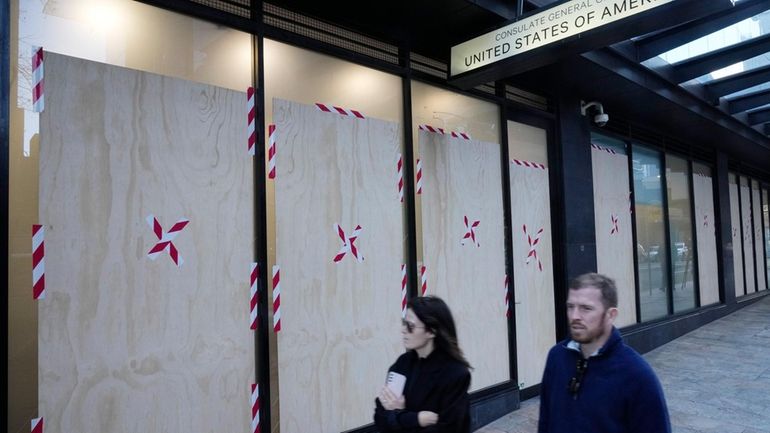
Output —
(716, 378)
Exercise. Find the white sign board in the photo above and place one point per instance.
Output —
(554, 24)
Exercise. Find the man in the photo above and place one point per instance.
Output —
(593, 382)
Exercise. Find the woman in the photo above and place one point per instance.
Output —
(435, 395)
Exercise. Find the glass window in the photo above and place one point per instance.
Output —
(680, 233)
(618, 146)
(766, 230)
(118, 32)
(650, 233)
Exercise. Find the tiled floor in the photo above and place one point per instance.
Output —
(716, 378)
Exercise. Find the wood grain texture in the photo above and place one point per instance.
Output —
(127, 344)
(748, 243)
(735, 222)
(705, 224)
(340, 322)
(614, 246)
(759, 245)
(461, 178)
(534, 289)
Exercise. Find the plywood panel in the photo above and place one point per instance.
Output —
(737, 241)
(533, 277)
(461, 178)
(748, 245)
(127, 344)
(340, 321)
(614, 240)
(705, 223)
(758, 237)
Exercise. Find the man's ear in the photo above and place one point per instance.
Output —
(612, 313)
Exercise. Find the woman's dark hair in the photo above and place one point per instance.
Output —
(434, 313)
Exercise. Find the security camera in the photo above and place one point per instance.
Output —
(601, 118)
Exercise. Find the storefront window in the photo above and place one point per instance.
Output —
(766, 231)
(682, 254)
(651, 234)
(117, 32)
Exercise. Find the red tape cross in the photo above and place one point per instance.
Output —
(533, 246)
(348, 243)
(471, 232)
(615, 228)
(165, 239)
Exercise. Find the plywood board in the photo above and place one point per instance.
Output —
(737, 240)
(533, 276)
(128, 344)
(705, 224)
(340, 321)
(461, 179)
(614, 237)
(748, 243)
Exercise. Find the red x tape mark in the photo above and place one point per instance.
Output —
(471, 232)
(165, 239)
(615, 228)
(533, 246)
(348, 244)
(705, 220)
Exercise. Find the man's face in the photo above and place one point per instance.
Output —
(587, 317)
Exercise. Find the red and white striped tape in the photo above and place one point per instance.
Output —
(423, 280)
(254, 408)
(38, 97)
(528, 164)
(271, 152)
(403, 290)
(328, 108)
(348, 243)
(165, 239)
(533, 246)
(615, 228)
(507, 295)
(442, 131)
(276, 298)
(38, 261)
(606, 149)
(254, 277)
(470, 231)
(37, 425)
(400, 168)
(251, 117)
(419, 176)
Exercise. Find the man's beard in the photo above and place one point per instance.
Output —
(590, 335)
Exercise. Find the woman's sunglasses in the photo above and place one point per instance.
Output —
(410, 327)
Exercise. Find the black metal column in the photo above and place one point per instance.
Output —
(573, 155)
(5, 96)
(724, 230)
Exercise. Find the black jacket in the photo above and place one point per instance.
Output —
(438, 384)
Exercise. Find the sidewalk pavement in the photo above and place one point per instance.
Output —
(716, 379)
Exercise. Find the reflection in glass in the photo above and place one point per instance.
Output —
(650, 234)
(680, 233)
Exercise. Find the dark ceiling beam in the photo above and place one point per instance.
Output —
(747, 102)
(734, 83)
(767, 129)
(718, 59)
(759, 116)
(651, 46)
(508, 9)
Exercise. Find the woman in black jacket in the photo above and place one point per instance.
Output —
(435, 395)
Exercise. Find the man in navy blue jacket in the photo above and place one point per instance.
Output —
(593, 382)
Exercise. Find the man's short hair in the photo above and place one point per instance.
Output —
(601, 282)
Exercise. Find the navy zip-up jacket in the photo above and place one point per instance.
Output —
(619, 392)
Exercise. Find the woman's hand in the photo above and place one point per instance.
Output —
(391, 401)
(426, 418)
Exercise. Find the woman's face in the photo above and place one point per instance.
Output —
(413, 332)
